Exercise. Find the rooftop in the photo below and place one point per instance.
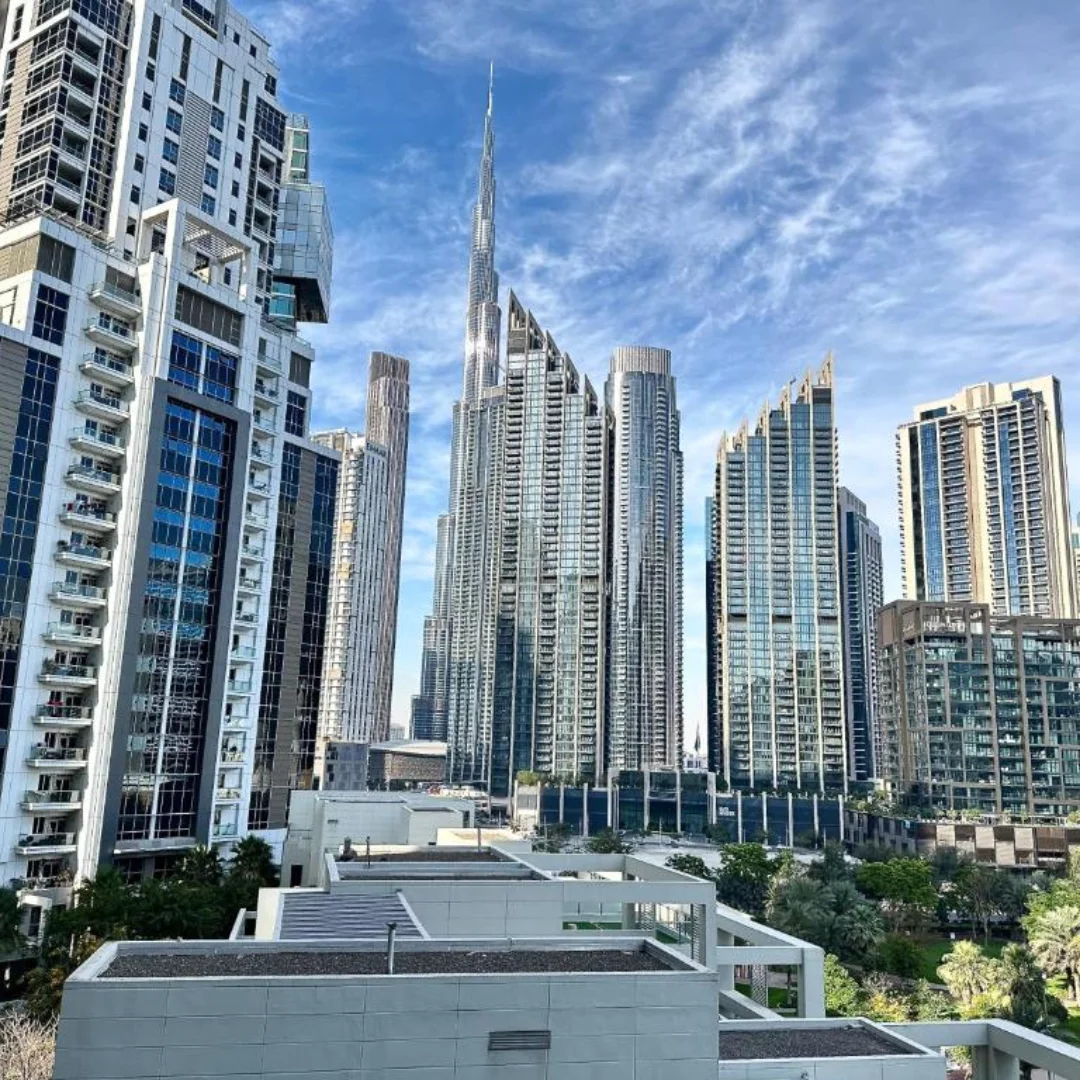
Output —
(425, 961)
(780, 1041)
(317, 915)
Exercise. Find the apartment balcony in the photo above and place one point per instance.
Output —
(265, 362)
(102, 406)
(256, 521)
(233, 758)
(65, 717)
(237, 723)
(224, 830)
(93, 479)
(78, 595)
(260, 459)
(247, 618)
(72, 676)
(227, 795)
(105, 443)
(46, 844)
(59, 633)
(82, 556)
(83, 516)
(249, 585)
(265, 392)
(123, 341)
(52, 802)
(118, 300)
(56, 759)
(258, 489)
(244, 654)
(252, 553)
(238, 687)
(76, 122)
(266, 424)
(110, 370)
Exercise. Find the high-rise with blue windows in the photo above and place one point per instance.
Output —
(984, 500)
(167, 535)
(779, 716)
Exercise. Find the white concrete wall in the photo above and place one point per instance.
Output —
(656, 1026)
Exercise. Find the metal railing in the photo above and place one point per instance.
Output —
(87, 551)
(109, 363)
(56, 753)
(72, 588)
(104, 400)
(68, 671)
(105, 438)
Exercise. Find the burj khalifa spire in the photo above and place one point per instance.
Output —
(454, 702)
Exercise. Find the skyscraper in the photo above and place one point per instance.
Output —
(645, 664)
(862, 594)
(713, 721)
(777, 611)
(155, 427)
(984, 500)
(455, 680)
(359, 665)
(548, 695)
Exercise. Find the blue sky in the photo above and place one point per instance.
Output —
(748, 183)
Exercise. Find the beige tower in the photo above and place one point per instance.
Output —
(984, 500)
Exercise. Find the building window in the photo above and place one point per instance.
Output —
(218, 72)
(240, 133)
(50, 315)
(295, 414)
(177, 92)
(174, 121)
(232, 217)
(236, 189)
(203, 367)
(209, 204)
(155, 36)
(147, 102)
(217, 119)
(238, 161)
(167, 182)
(140, 163)
(132, 226)
(185, 58)
(151, 71)
(210, 176)
(170, 151)
(144, 132)
(16, 24)
(136, 194)
(213, 147)
(271, 85)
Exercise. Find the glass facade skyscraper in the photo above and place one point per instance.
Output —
(979, 711)
(862, 589)
(779, 666)
(645, 697)
(984, 500)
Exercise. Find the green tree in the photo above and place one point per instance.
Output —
(11, 936)
(799, 906)
(946, 864)
(1025, 987)
(554, 838)
(693, 865)
(931, 1004)
(1054, 938)
(200, 866)
(743, 880)
(899, 955)
(904, 889)
(833, 866)
(843, 997)
(967, 972)
(608, 842)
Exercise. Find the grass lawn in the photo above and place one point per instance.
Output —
(934, 952)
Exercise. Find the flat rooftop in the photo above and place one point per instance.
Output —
(777, 1041)
(173, 965)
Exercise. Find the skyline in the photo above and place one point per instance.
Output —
(777, 181)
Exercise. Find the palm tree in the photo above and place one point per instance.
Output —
(966, 971)
(799, 906)
(1054, 937)
(857, 929)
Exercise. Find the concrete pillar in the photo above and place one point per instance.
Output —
(611, 793)
(992, 1064)
(765, 817)
(585, 810)
(812, 983)
(817, 819)
(645, 799)
(678, 802)
(790, 820)
(725, 974)
(738, 817)
(562, 803)
(629, 916)
(840, 811)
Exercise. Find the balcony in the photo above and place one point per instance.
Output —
(237, 722)
(106, 443)
(64, 716)
(78, 595)
(61, 633)
(76, 676)
(260, 459)
(93, 479)
(223, 831)
(238, 687)
(244, 653)
(118, 300)
(83, 556)
(259, 489)
(102, 406)
(248, 618)
(52, 802)
(80, 515)
(112, 337)
(263, 392)
(256, 521)
(227, 795)
(46, 844)
(56, 758)
(249, 585)
(232, 757)
(265, 362)
(266, 424)
(252, 553)
(108, 369)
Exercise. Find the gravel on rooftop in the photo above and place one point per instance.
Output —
(780, 1042)
(203, 965)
